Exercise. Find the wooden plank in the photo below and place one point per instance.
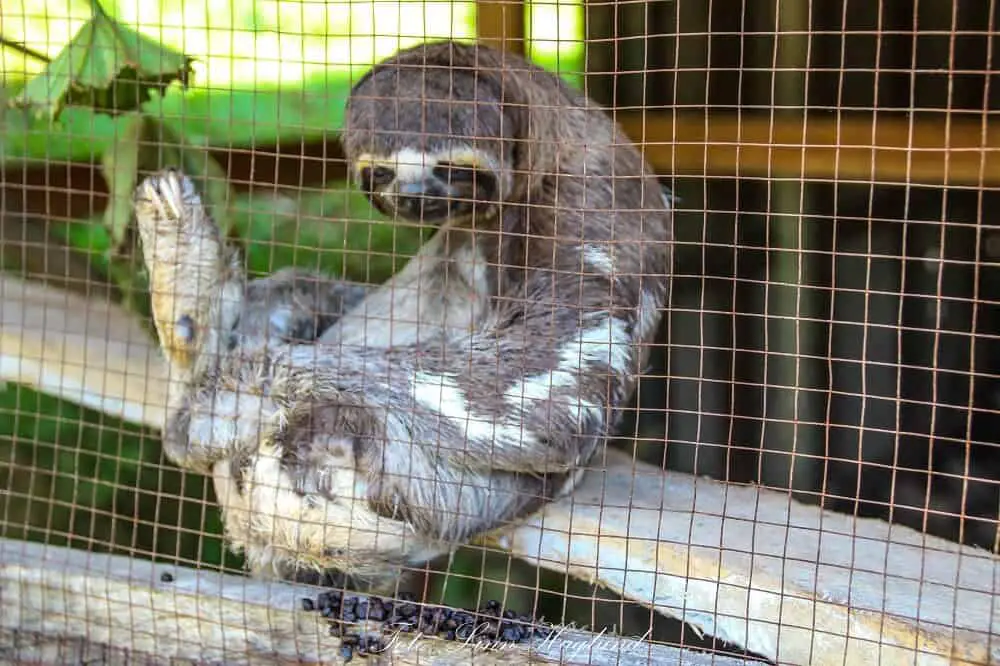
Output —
(786, 580)
(88, 351)
(53, 599)
(783, 579)
(822, 147)
(500, 23)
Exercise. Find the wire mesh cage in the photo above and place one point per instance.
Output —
(659, 332)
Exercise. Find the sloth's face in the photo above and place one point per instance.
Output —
(430, 187)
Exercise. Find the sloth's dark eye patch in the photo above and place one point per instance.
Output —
(449, 172)
(373, 178)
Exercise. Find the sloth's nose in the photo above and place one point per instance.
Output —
(414, 189)
(421, 199)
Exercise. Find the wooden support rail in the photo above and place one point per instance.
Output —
(882, 150)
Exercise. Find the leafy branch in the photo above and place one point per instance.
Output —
(107, 67)
(23, 49)
(113, 70)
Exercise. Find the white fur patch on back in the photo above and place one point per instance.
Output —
(442, 395)
(606, 344)
(599, 258)
(539, 388)
(648, 316)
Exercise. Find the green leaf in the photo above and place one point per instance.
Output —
(120, 165)
(106, 66)
(13, 121)
(87, 235)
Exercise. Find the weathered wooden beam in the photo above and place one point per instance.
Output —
(786, 580)
(54, 598)
(889, 150)
(87, 351)
(783, 579)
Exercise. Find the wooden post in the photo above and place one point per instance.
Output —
(500, 23)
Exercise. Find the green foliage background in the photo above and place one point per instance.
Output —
(264, 72)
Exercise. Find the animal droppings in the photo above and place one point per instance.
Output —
(491, 624)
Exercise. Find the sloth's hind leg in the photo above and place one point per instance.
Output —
(196, 282)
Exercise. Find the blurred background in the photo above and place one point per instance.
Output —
(834, 327)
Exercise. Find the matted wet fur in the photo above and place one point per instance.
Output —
(471, 388)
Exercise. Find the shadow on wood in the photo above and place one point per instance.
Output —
(785, 580)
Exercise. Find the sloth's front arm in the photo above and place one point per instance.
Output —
(530, 365)
(537, 399)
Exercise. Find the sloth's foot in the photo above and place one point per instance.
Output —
(188, 263)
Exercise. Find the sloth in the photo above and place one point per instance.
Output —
(473, 387)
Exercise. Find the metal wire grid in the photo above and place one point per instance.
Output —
(834, 338)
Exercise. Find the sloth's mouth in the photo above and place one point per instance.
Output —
(428, 208)
(449, 191)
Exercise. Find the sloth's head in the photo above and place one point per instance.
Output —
(430, 137)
